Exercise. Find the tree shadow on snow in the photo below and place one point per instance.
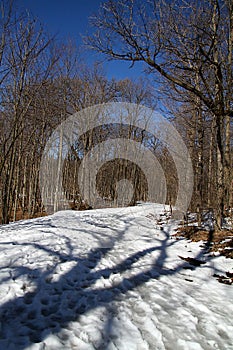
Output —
(54, 304)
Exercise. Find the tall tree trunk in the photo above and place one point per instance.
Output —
(211, 177)
(220, 174)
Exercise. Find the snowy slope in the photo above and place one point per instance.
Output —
(109, 279)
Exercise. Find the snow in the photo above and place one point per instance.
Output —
(110, 279)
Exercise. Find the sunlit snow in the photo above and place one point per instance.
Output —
(110, 279)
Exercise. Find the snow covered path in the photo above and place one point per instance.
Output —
(109, 279)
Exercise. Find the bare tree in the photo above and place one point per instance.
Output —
(188, 45)
(26, 62)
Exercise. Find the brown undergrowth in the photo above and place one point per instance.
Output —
(219, 241)
(20, 215)
(25, 215)
(215, 241)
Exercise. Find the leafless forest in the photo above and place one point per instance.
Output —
(186, 48)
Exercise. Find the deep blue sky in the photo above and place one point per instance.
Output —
(69, 19)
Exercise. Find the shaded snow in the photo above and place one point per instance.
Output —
(110, 279)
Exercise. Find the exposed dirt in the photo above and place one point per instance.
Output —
(192, 261)
(215, 241)
(226, 279)
(221, 241)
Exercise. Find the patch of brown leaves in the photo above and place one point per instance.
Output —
(192, 261)
(228, 279)
(220, 241)
(217, 241)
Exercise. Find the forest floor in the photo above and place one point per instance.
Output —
(217, 243)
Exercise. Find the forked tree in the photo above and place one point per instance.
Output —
(188, 45)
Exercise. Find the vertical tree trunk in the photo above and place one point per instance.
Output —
(227, 164)
(220, 174)
(211, 177)
(59, 175)
(24, 184)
